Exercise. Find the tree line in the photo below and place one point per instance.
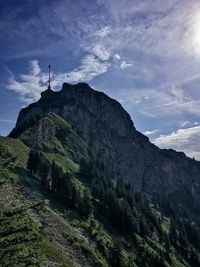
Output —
(61, 183)
(129, 213)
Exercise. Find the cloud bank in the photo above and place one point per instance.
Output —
(185, 140)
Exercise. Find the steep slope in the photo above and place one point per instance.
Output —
(31, 232)
(56, 138)
(93, 219)
(110, 135)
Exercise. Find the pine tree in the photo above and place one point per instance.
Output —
(33, 162)
(45, 172)
(86, 205)
(68, 191)
(54, 176)
(115, 254)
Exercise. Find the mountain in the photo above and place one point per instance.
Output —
(80, 186)
(110, 135)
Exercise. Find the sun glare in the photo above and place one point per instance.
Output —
(195, 34)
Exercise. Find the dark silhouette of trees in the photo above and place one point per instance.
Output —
(128, 212)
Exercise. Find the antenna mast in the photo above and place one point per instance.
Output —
(49, 81)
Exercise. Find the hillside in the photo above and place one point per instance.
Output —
(113, 226)
(80, 186)
(110, 135)
(33, 232)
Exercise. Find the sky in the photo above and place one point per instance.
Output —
(145, 54)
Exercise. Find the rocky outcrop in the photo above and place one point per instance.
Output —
(41, 132)
(110, 135)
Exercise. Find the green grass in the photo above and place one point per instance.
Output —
(13, 159)
(63, 161)
(24, 243)
(80, 187)
(66, 148)
(60, 149)
(176, 262)
(166, 224)
(66, 139)
(19, 239)
(52, 251)
(14, 148)
(59, 122)
(80, 244)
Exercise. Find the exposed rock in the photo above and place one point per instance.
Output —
(110, 134)
(39, 133)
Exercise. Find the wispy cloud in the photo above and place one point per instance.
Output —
(30, 85)
(7, 121)
(151, 132)
(90, 67)
(103, 32)
(167, 28)
(186, 140)
(151, 49)
(124, 65)
(184, 123)
(159, 102)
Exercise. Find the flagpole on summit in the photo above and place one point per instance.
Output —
(49, 82)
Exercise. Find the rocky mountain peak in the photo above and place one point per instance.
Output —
(111, 137)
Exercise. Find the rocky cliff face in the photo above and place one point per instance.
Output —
(110, 135)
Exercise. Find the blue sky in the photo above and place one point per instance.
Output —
(145, 54)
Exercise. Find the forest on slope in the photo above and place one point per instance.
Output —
(110, 224)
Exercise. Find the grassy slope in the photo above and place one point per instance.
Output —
(14, 147)
(66, 147)
(13, 161)
(29, 230)
(79, 240)
(22, 240)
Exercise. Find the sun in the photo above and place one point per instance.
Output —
(195, 34)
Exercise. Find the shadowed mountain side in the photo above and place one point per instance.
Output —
(108, 132)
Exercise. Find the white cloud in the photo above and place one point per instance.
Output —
(101, 52)
(185, 140)
(166, 101)
(7, 121)
(34, 68)
(159, 30)
(160, 38)
(148, 114)
(151, 132)
(104, 31)
(124, 65)
(29, 86)
(90, 67)
(117, 57)
(184, 123)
